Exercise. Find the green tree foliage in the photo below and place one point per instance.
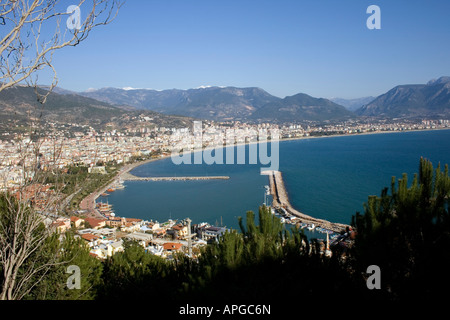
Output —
(261, 262)
(72, 252)
(407, 234)
(135, 274)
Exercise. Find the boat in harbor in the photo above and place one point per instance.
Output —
(104, 207)
(119, 185)
(311, 227)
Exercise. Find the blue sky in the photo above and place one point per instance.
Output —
(319, 47)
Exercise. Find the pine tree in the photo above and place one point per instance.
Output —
(407, 234)
(72, 252)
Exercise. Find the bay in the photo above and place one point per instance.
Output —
(329, 178)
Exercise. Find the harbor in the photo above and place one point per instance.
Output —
(280, 203)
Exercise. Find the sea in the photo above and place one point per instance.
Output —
(328, 178)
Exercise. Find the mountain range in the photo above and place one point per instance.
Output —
(353, 104)
(226, 103)
(430, 100)
(179, 107)
(301, 107)
(213, 103)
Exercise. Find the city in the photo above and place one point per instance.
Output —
(92, 147)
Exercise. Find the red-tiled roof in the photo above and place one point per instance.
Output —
(172, 246)
(94, 222)
(59, 223)
(89, 237)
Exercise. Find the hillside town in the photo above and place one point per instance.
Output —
(106, 236)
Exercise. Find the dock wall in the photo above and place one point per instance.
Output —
(129, 177)
(281, 200)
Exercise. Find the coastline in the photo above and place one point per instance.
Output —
(89, 203)
(362, 134)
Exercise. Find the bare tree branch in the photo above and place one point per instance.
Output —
(26, 47)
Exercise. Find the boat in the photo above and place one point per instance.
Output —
(119, 185)
(320, 229)
(311, 228)
(104, 194)
(111, 190)
(104, 207)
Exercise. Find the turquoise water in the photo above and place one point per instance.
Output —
(329, 178)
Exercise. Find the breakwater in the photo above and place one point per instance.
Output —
(129, 177)
(281, 201)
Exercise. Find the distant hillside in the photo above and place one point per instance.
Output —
(353, 104)
(431, 100)
(226, 103)
(302, 107)
(20, 103)
(213, 103)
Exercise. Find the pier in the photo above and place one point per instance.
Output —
(129, 177)
(281, 201)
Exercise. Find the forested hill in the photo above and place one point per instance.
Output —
(20, 103)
